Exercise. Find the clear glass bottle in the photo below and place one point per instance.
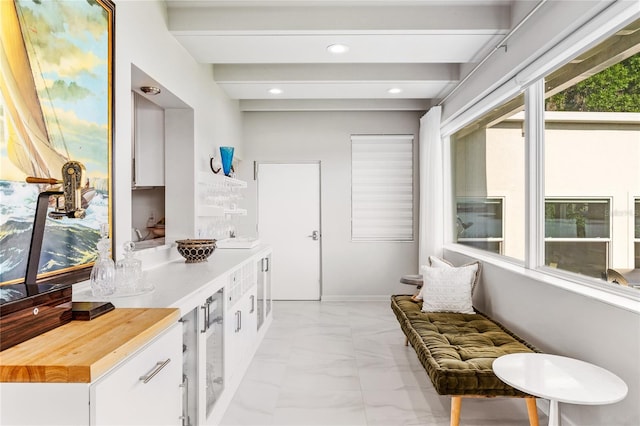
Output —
(129, 271)
(103, 274)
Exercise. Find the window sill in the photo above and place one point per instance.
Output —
(622, 298)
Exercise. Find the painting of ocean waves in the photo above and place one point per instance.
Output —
(66, 243)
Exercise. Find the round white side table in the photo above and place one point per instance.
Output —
(560, 379)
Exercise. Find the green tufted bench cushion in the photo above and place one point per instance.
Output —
(458, 350)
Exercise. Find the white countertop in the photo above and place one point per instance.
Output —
(181, 285)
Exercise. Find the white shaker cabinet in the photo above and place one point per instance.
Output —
(146, 389)
(242, 319)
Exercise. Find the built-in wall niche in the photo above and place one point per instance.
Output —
(148, 223)
(161, 129)
(148, 219)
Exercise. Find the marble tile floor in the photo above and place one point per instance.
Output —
(345, 363)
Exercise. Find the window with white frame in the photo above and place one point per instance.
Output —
(382, 188)
(577, 235)
(488, 161)
(592, 149)
(575, 212)
(479, 223)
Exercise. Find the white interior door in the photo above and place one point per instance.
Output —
(289, 221)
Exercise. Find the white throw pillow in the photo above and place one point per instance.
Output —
(436, 262)
(448, 289)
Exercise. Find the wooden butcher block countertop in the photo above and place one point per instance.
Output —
(81, 351)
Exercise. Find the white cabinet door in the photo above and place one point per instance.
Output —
(250, 323)
(241, 329)
(50, 404)
(261, 293)
(266, 273)
(148, 143)
(233, 340)
(211, 354)
(145, 390)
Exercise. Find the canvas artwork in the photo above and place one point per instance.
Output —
(55, 106)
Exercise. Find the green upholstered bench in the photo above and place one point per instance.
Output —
(458, 350)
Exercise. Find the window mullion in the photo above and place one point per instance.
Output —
(534, 170)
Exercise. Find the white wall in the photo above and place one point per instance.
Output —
(142, 39)
(349, 270)
(563, 322)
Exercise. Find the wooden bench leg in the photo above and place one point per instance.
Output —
(456, 403)
(532, 409)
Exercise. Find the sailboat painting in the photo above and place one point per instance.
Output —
(55, 105)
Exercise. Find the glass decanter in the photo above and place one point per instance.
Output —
(103, 274)
(129, 271)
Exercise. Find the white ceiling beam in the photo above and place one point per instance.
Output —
(373, 48)
(330, 90)
(255, 73)
(335, 105)
(348, 20)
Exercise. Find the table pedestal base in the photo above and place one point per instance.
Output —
(554, 413)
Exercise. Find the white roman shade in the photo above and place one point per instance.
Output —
(382, 188)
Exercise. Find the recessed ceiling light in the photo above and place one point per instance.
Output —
(338, 48)
(394, 91)
(275, 91)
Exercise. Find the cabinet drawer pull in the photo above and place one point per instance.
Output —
(205, 308)
(159, 366)
(238, 321)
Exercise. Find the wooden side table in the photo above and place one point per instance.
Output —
(412, 280)
(560, 379)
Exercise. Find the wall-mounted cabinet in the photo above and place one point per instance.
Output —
(148, 142)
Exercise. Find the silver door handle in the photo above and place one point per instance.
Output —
(159, 366)
(315, 235)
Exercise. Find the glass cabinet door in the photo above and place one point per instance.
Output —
(213, 331)
(190, 334)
